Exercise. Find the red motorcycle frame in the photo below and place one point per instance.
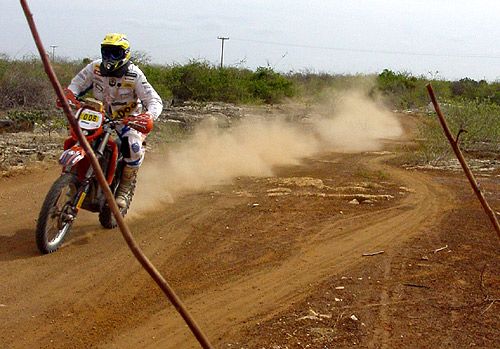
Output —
(77, 187)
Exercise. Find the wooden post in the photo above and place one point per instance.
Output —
(461, 159)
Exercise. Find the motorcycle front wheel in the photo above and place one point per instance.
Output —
(56, 216)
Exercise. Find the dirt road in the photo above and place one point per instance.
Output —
(250, 259)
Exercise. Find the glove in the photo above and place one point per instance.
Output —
(72, 101)
(142, 122)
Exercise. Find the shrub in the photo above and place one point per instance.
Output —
(479, 119)
(202, 81)
(471, 89)
(269, 86)
(26, 119)
(402, 89)
(23, 84)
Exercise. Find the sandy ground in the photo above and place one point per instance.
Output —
(265, 262)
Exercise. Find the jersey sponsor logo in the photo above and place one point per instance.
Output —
(128, 84)
(98, 87)
(97, 70)
(124, 111)
(112, 82)
(130, 76)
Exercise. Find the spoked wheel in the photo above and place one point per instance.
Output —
(56, 216)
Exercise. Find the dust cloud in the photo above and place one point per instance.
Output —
(344, 122)
(357, 124)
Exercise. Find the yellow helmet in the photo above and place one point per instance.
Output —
(115, 52)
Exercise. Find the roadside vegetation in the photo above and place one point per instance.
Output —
(471, 108)
(474, 106)
(476, 122)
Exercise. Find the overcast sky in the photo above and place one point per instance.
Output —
(455, 38)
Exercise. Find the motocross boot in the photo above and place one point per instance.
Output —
(126, 187)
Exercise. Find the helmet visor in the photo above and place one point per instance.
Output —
(112, 53)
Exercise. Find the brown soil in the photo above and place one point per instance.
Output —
(271, 262)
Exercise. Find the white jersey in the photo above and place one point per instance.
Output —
(122, 97)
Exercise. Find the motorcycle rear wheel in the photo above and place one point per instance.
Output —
(106, 217)
(55, 218)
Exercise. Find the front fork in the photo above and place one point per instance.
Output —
(85, 187)
(70, 211)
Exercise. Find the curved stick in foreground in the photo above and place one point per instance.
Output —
(153, 272)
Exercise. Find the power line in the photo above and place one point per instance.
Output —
(175, 44)
(343, 49)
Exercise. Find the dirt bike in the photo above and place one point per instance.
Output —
(77, 187)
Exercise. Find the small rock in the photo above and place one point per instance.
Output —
(354, 202)
(408, 190)
(6, 123)
(353, 317)
(339, 287)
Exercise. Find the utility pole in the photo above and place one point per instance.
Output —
(53, 52)
(222, 50)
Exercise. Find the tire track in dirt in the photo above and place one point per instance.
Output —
(223, 310)
(435, 202)
(382, 335)
(79, 294)
(92, 293)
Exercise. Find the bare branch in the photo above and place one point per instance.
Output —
(372, 253)
(440, 249)
(415, 285)
(458, 134)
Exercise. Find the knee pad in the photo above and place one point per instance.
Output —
(132, 150)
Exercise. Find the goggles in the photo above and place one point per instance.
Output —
(112, 53)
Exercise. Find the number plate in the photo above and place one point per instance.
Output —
(89, 119)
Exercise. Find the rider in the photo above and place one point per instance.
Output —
(126, 95)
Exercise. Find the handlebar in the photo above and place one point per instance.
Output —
(110, 122)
